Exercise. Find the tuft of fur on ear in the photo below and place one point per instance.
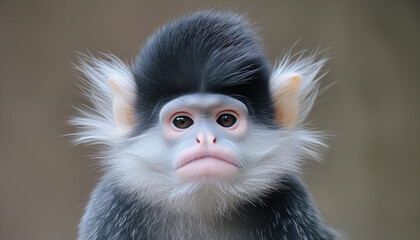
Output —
(294, 86)
(109, 86)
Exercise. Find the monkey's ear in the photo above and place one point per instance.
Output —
(285, 95)
(110, 87)
(294, 87)
(122, 107)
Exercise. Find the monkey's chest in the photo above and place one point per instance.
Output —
(209, 231)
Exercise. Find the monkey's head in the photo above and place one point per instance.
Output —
(200, 122)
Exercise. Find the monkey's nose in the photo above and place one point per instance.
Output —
(205, 138)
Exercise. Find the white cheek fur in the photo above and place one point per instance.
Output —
(142, 165)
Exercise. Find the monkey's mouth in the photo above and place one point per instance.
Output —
(225, 159)
(207, 165)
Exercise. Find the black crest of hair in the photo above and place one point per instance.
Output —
(204, 52)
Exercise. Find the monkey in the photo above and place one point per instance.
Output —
(202, 138)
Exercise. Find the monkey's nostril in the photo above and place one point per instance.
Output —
(214, 140)
(198, 140)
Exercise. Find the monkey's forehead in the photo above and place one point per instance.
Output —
(203, 101)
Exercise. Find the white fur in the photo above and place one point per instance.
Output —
(142, 165)
(306, 66)
(96, 123)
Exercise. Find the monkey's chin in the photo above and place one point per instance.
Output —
(207, 167)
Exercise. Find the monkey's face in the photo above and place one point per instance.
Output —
(206, 152)
(203, 131)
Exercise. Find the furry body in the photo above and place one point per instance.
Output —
(140, 197)
(287, 213)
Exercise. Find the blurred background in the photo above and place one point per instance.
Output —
(368, 185)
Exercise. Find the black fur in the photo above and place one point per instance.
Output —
(203, 52)
(285, 214)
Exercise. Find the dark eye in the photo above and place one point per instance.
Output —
(183, 122)
(226, 120)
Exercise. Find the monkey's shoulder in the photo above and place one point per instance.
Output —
(112, 214)
(287, 213)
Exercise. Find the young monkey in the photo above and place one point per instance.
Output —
(203, 138)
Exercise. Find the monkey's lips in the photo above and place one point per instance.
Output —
(199, 165)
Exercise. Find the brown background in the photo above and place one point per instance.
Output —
(368, 186)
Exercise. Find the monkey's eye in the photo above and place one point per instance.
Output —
(182, 122)
(226, 120)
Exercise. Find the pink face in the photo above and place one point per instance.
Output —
(203, 129)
